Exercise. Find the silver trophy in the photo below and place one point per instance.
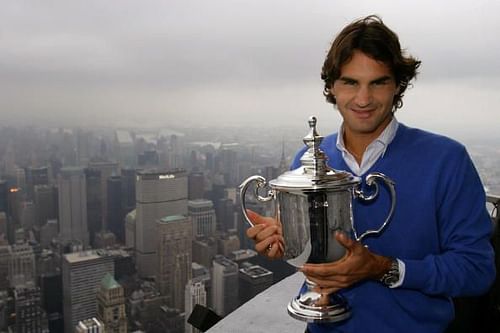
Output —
(311, 203)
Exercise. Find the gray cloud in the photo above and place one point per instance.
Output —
(120, 62)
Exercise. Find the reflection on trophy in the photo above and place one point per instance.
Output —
(311, 203)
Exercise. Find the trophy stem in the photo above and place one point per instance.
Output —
(314, 307)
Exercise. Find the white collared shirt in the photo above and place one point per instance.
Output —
(373, 152)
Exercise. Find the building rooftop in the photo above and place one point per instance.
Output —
(172, 218)
(255, 271)
(266, 312)
(108, 282)
(81, 256)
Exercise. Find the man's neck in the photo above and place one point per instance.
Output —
(356, 143)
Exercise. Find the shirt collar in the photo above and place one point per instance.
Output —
(385, 138)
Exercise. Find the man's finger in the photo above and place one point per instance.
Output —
(253, 231)
(257, 218)
(344, 240)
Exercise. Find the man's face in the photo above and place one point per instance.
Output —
(365, 92)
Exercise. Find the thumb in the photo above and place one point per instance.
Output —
(344, 240)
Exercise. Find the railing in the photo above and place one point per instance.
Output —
(495, 201)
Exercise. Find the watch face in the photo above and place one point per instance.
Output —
(392, 276)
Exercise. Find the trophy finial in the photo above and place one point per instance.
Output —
(312, 139)
(314, 160)
(312, 122)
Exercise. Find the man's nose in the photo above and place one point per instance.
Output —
(364, 96)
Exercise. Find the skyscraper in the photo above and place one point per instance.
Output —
(174, 258)
(252, 280)
(5, 254)
(45, 199)
(73, 206)
(128, 189)
(158, 194)
(30, 316)
(21, 265)
(195, 294)
(3, 195)
(196, 185)
(82, 274)
(224, 285)
(202, 214)
(36, 176)
(115, 212)
(124, 148)
(107, 169)
(224, 209)
(111, 305)
(94, 202)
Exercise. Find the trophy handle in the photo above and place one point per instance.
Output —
(260, 183)
(371, 181)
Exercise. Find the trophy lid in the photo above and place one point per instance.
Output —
(314, 173)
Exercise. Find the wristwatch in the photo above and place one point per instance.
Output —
(391, 277)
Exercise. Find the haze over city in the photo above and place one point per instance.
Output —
(238, 63)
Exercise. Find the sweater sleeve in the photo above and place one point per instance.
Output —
(465, 264)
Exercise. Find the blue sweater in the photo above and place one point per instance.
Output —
(440, 230)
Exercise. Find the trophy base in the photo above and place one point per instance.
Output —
(314, 307)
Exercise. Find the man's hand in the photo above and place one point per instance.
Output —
(357, 264)
(267, 235)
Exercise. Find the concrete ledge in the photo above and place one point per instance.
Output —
(265, 312)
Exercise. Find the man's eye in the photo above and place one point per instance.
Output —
(349, 83)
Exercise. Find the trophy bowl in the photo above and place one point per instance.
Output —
(311, 203)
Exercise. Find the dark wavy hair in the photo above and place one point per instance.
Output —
(372, 37)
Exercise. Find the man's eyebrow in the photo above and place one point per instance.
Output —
(382, 79)
(347, 79)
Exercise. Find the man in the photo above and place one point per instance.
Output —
(437, 243)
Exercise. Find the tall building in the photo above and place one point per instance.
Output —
(196, 185)
(73, 206)
(94, 202)
(90, 325)
(158, 194)
(253, 279)
(36, 176)
(227, 243)
(225, 296)
(107, 169)
(4, 189)
(115, 212)
(195, 294)
(124, 148)
(228, 158)
(46, 200)
(27, 215)
(5, 254)
(224, 209)
(128, 189)
(111, 305)
(30, 316)
(3, 225)
(204, 251)
(174, 258)
(82, 274)
(202, 213)
(52, 300)
(130, 229)
(21, 265)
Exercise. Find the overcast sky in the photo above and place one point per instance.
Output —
(255, 62)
